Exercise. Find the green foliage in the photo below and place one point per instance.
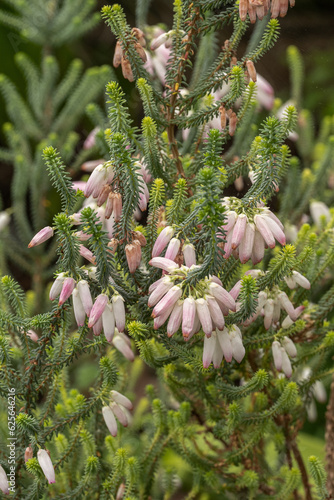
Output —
(204, 426)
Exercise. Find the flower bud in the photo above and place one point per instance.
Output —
(175, 318)
(79, 311)
(251, 70)
(67, 289)
(85, 296)
(33, 335)
(46, 465)
(239, 230)
(168, 301)
(204, 316)
(289, 347)
(189, 254)
(57, 286)
(162, 240)
(117, 206)
(119, 311)
(163, 263)
(121, 400)
(28, 454)
(286, 364)
(126, 69)
(110, 420)
(118, 54)
(277, 355)
(43, 235)
(108, 322)
(232, 125)
(188, 317)
(173, 249)
(87, 254)
(97, 309)
(123, 345)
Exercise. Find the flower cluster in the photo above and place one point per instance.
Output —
(270, 302)
(226, 343)
(248, 235)
(259, 8)
(119, 407)
(104, 314)
(281, 353)
(120, 58)
(173, 298)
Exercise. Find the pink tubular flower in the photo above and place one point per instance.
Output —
(57, 286)
(121, 400)
(43, 235)
(97, 327)
(163, 263)
(175, 319)
(85, 296)
(286, 364)
(209, 349)
(289, 347)
(123, 345)
(110, 420)
(87, 254)
(188, 317)
(247, 243)
(168, 301)
(204, 316)
(189, 254)
(97, 309)
(101, 175)
(222, 296)
(238, 350)
(119, 414)
(263, 227)
(119, 311)
(215, 311)
(162, 288)
(173, 249)
(162, 240)
(108, 322)
(297, 279)
(46, 465)
(67, 289)
(4, 485)
(277, 355)
(238, 231)
(225, 344)
(79, 311)
(162, 318)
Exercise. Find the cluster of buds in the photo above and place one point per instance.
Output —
(201, 306)
(259, 8)
(103, 314)
(133, 250)
(120, 57)
(281, 353)
(103, 188)
(119, 407)
(270, 302)
(247, 236)
(226, 343)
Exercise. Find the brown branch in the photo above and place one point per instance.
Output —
(302, 468)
